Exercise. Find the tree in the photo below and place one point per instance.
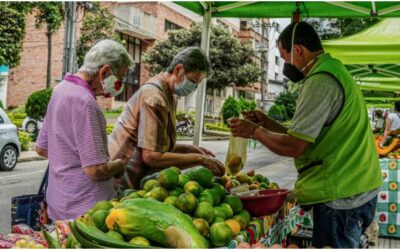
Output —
(12, 30)
(97, 24)
(230, 109)
(51, 14)
(231, 60)
(339, 27)
(287, 99)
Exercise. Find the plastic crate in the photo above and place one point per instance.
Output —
(302, 237)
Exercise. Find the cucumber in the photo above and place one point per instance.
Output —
(85, 243)
(101, 238)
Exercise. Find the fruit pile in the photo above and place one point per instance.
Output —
(248, 181)
(175, 210)
(258, 245)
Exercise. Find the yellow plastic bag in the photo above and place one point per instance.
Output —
(236, 156)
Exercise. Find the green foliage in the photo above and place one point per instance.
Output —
(25, 139)
(231, 60)
(36, 105)
(49, 13)
(12, 30)
(97, 24)
(246, 105)
(16, 116)
(278, 112)
(1, 105)
(331, 28)
(218, 127)
(288, 100)
(230, 109)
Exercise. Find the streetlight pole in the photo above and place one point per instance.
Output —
(69, 57)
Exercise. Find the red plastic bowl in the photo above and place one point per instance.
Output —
(265, 202)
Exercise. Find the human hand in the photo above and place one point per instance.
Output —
(214, 165)
(242, 128)
(256, 116)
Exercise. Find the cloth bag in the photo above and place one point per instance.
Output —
(31, 209)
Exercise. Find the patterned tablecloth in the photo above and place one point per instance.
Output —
(388, 215)
(274, 228)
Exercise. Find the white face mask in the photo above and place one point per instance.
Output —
(112, 86)
(184, 88)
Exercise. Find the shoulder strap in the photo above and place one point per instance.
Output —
(43, 184)
(155, 85)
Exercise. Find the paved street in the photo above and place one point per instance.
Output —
(26, 177)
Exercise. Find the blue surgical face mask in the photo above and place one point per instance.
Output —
(184, 88)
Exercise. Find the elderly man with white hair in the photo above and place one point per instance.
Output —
(74, 137)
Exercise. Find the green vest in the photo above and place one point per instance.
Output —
(342, 162)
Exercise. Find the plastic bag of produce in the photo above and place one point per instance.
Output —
(237, 154)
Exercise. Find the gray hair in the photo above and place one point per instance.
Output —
(104, 52)
(192, 59)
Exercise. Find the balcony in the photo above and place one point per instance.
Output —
(135, 22)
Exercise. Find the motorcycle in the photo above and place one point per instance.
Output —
(184, 127)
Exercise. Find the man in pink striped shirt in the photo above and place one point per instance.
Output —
(74, 137)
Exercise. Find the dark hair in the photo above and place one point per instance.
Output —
(193, 59)
(378, 113)
(397, 106)
(304, 35)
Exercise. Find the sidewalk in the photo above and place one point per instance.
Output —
(29, 156)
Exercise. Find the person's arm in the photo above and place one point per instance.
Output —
(158, 160)
(42, 140)
(186, 148)
(41, 151)
(387, 131)
(105, 170)
(281, 144)
(91, 143)
(260, 118)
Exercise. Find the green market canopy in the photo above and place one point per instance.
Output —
(335, 9)
(373, 57)
(276, 9)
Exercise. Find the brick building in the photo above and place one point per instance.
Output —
(140, 24)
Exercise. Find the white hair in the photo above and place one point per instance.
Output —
(106, 52)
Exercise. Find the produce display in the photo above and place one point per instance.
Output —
(175, 210)
(391, 150)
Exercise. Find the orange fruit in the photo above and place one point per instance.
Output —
(234, 225)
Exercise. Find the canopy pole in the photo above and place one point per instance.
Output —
(201, 91)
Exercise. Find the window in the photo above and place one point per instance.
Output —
(276, 76)
(1, 120)
(276, 60)
(132, 78)
(244, 25)
(171, 26)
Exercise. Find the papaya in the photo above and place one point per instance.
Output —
(387, 149)
(157, 222)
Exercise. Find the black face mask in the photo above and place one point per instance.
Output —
(293, 73)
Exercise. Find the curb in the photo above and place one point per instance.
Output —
(32, 158)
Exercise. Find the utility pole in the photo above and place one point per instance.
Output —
(263, 48)
(69, 57)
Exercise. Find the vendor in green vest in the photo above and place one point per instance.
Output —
(330, 139)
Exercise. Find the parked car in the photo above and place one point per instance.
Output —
(30, 125)
(10, 146)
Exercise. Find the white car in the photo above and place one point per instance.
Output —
(10, 147)
(30, 125)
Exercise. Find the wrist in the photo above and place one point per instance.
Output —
(253, 131)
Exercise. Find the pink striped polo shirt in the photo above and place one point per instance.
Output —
(74, 134)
